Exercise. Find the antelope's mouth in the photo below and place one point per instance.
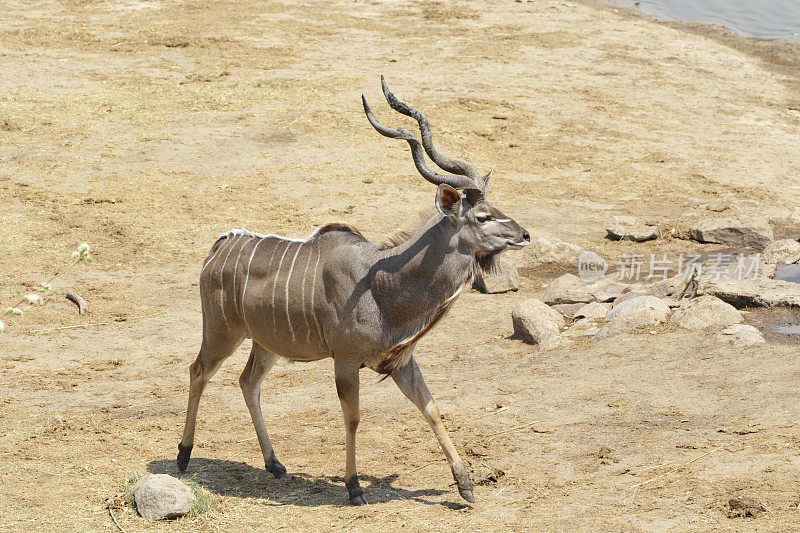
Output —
(516, 245)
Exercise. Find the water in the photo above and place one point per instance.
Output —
(788, 329)
(763, 19)
(788, 273)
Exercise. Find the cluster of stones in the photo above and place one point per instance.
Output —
(605, 306)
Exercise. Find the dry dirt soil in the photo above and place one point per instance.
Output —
(146, 128)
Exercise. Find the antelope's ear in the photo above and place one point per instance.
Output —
(448, 201)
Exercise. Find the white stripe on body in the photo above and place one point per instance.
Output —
(303, 298)
(221, 279)
(274, 286)
(246, 279)
(288, 278)
(211, 258)
(313, 288)
(269, 266)
(235, 270)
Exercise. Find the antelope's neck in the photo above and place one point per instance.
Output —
(417, 276)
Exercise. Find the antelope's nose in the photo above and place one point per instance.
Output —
(526, 236)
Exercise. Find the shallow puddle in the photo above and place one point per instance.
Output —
(776, 322)
(788, 273)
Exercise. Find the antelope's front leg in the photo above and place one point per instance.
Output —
(411, 382)
(347, 389)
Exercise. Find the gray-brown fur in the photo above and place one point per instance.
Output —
(337, 295)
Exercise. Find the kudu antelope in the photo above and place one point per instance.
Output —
(337, 295)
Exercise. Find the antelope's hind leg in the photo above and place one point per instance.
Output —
(214, 350)
(259, 364)
(410, 381)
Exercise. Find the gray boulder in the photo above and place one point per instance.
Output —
(741, 335)
(534, 321)
(161, 496)
(567, 289)
(607, 290)
(782, 252)
(633, 314)
(778, 253)
(581, 328)
(705, 312)
(748, 232)
(640, 303)
(593, 310)
(763, 292)
(502, 278)
(628, 228)
(568, 309)
(545, 251)
(551, 342)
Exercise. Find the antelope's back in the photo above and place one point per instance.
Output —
(272, 288)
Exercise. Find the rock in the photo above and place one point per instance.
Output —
(502, 278)
(534, 320)
(745, 507)
(741, 335)
(593, 310)
(607, 290)
(628, 228)
(674, 287)
(545, 251)
(635, 291)
(161, 496)
(567, 289)
(582, 328)
(551, 342)
(763, 292)
(734, 231)
(704, 312)
(640, 303)
(778, 253)
(782, 252)
(568, 309)
(633, 314)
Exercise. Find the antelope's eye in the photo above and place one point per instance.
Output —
(483, 218)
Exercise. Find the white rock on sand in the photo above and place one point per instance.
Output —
(705, 312)
(545, 251)
(780, 252)
(630, 315)
(624, 228)
(763, 292)
(534, 321)
(593, 310)
(741, 335)
(161, 496)
(502, 278)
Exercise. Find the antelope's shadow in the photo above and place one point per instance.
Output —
(239, 479)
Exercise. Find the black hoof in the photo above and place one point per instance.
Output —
(464, 483)
(184, 454)
(354, 492)
(276, 468)
(467, 495)
(358, 500)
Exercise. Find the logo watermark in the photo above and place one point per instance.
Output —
(591, 266)
(656, 267)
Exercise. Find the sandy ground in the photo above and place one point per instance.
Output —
(147, 128)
